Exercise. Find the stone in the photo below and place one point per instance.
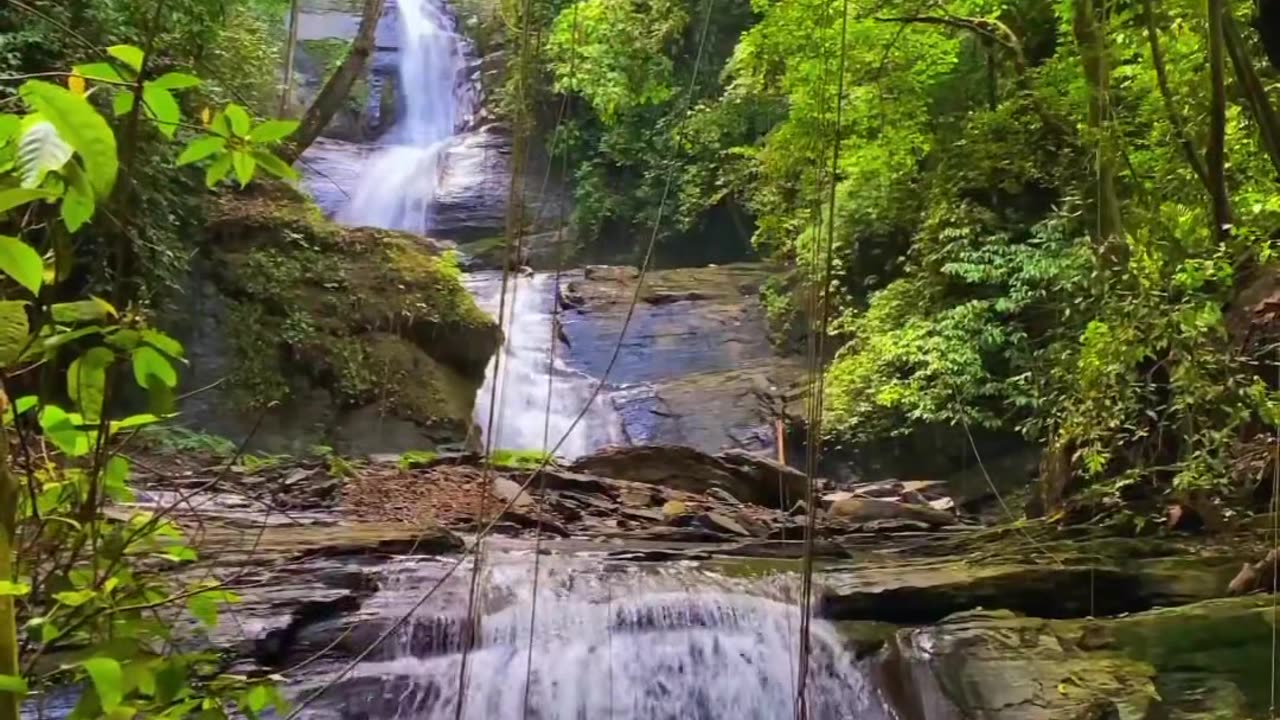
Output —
(722, 524)
(509, 491)
(610, 272)
(636, 498)
(646, 514)
(747, 477)
(723, 495)
(863, 510)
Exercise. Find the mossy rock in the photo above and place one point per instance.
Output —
(378, 318)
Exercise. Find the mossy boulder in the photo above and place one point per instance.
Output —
(379, 320)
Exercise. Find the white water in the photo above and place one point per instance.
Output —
(398, 182)
(531, 414)
(617, 643)
(396, 190)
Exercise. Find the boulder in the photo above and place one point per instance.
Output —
(747, 477)
(365, 338)
(864, 510)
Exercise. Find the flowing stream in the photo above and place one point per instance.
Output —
(538, 402)
(608, 640)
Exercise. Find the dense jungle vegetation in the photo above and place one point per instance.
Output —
(1054, 219)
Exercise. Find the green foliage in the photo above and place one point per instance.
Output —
(99, 603)
(177, 440)
(519, 459)
(416, 458)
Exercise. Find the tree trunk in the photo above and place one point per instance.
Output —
(1259, 103)
(286, 91)
(1170, 106)
(338, 87)
(1093, 56)
(1216, 149)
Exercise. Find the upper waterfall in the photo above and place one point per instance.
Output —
(398, 181)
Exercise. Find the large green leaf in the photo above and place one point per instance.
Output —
(99, 71)
(274, 165)
(273, 130)
(81, 126)
(9, 124)
(13, 684)
(149, 363)
(163, 343)
(13, 197)
(61, 430)
(175, 81)
(239, 120)
(122, 103)
(218, 170)
(14, 330)
(21, 262)
(41, 150)
(108, 680)
(87, 381)
(127, 54)
(161, 107)
(201, 148)
(244, 165)
(78, 204)
(82, 310)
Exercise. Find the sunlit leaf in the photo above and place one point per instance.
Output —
(175, 81)
(60, 427)
(80, 125)
(78, 204)
(122, 103)
(161, 107)
(218, 170)
(201, 148)
(127, 54)
(273, 130)
(149, 363)
(244, 165)
(275, 165)
(162, 342)
(108, 680)
(82, 310)
(14, 330)
(15, 197)
(13, 684)
(238, 118)
(98, 71)
(21, 262)
(10, 588)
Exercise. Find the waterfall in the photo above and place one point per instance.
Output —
(397, 184)
(396, 190)
(526, 416)
(613, 642)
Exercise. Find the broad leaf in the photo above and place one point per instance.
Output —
(74, 598)
(108, 680)
(21, 262)
(244, 165)
(41, 150)
(275, 165)
(163, 343)
(87, 382)
(11, 589)
(238, 118)
(204, 607)
(127, 54)
(122, 103)
(201, 148)
(13, 197)
(98, 71)
(114, 478)
(273, 130)
(80, 126)
(82, 310)
(175, 81)
(218, 170)
(9, 124)
(161, 107)
(149, 363)
(61, 429)
(14, 330)
(13, 684)
(78, 204)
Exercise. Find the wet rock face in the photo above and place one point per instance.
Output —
(695, 367)
(366, 337)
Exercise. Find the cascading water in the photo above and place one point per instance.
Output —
(616, 642)
(532, 414)
(396, 190)
(398, 183)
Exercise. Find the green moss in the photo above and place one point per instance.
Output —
(373, 316)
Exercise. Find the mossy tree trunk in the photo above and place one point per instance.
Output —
(1089, 35)
(338, 86)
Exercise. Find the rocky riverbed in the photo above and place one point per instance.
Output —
(946, 618)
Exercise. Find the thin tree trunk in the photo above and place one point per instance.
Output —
(10, 703)
(1259, 103)
(1088, 35)
(338, 87)
(1171, 108)
(295, 9)
(1216, 148)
